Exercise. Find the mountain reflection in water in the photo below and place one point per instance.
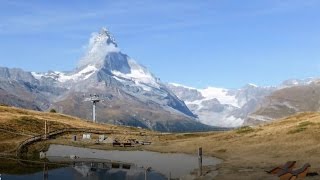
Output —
(88, 170)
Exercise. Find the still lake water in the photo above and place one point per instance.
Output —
(85, 172)
(118, 165)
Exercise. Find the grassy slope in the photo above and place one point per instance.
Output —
(32, 123)
(246, 152)
(249, 152)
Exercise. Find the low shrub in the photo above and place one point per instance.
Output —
(244, 129)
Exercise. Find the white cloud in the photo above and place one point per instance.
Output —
(97, 50)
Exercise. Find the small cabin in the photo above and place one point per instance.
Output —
(86, 136)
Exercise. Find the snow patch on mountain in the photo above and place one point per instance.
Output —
(181, 85)
(221, 94)
(234, 122)
(83, 74)
(197, 104)
(220, 106)
(253, 85)
(297, 82)
(220, 118)
(37, 75)
(140, 75)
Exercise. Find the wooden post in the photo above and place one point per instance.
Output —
(200, 161)
(45, 172)
(145, 174)
(48, 130)
(146, 171)
(45, 129)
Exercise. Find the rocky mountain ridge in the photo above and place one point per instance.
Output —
(249, 105)
(130, 93)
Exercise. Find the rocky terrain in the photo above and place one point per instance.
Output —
(287, 101)
(251, 104)
(222, 107)
(129, 93)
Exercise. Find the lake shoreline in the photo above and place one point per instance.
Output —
(185, 164)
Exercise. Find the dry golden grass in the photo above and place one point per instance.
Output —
(17, 125)
(247, 152)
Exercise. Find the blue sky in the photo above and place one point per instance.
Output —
(198, 43)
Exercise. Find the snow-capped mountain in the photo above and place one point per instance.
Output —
(292, 96)
(130, 93)
(103, 54)
(62, 77)
(297, 82)
(251, 104)
(219, 106)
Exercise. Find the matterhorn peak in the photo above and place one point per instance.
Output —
(105, 35)
(99, 46)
